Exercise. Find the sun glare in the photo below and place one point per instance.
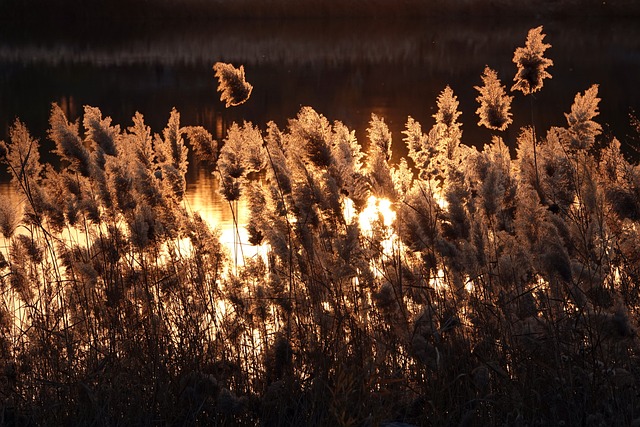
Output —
(237, 241)
(377, 209)
(440, 199)
(218, 214)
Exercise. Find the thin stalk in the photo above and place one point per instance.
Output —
(236, 231)
(535, 155)
(289, 242)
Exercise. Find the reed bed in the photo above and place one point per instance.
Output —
(459, 286)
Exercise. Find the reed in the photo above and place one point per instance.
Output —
(461, 286)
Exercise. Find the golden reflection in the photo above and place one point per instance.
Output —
(230, 219)
(203, 197)
(439, 281)
(377, 209)
(378, 213)
(377, 219)
(349, 210)
(439, 197)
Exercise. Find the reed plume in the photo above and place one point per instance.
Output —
(495, 105)
(231, 82)
(582, 129)
(69, 145)
(531, 63)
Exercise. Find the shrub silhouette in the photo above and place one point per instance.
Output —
(461, 287)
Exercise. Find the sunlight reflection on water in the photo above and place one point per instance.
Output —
(202, 197)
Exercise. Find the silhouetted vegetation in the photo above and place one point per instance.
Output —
(460, 286)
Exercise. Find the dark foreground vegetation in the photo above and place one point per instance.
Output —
(458, 287)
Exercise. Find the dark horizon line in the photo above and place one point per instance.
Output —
(251, 42)
(17, 14)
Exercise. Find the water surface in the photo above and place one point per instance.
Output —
(346, 70)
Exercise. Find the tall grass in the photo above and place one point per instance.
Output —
(458, 287)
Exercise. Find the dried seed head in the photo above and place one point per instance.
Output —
(531, 63)
(231, 82)
(10, 216)
(494, 103)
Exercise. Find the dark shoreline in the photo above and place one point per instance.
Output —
(307, 41)
(344, 68)
(132, 15)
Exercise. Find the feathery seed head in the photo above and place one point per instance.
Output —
(21, 155)
(531, 63)
(447, 108)
(380, 136)
(494, 103)
(204, 146)
(69, 146)
(99, 131)
(582, 130)
(10, 216)
(231, 82)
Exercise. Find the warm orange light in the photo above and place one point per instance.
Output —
(377, 209)
(229, 219)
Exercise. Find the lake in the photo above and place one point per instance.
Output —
(344, 69)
